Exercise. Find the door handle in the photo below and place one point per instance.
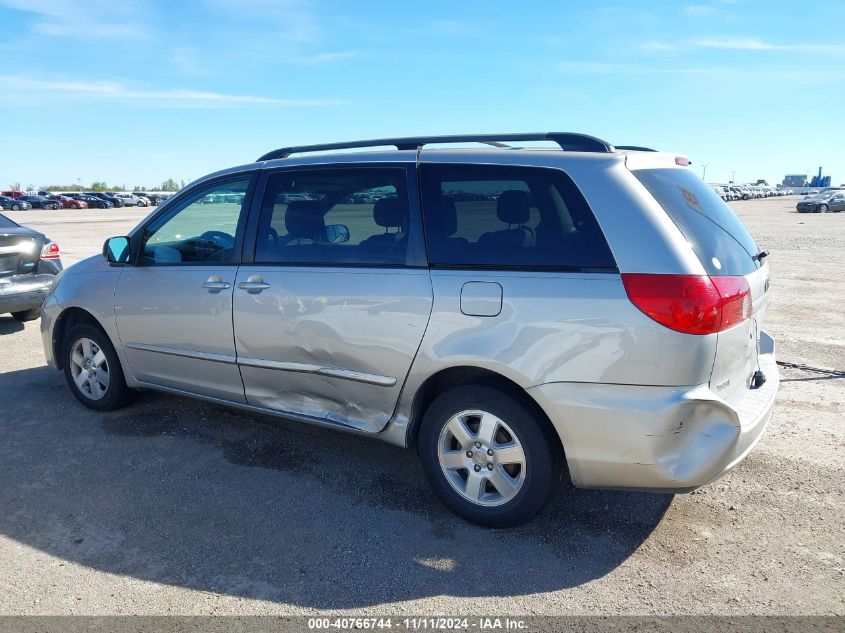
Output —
(254, 284)
(216, 284)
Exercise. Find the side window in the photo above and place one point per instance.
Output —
(334, 216)
(509, 217)
(200, 229)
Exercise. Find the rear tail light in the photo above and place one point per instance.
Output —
(692, 304)
(50, 251)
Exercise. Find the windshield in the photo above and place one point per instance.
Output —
(719, 239)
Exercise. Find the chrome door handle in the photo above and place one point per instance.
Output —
(254, 284)
(215, 283)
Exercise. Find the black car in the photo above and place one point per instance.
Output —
(93, 201)
(29, 262)
(116, 202)
(41, 202)
(13, 204)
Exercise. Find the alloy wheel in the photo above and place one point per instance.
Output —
(89, 369)
(481, 458)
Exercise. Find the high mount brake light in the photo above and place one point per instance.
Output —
(683, 161)
(692, 304)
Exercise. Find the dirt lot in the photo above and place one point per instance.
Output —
(178, 507)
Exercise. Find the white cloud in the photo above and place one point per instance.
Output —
(607, 68)
(698, 10)
(745, 44)
(322, 58)
(84, 19)
(14, 85)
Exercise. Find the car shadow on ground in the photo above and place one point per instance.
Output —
(185, 493)
(8, 325)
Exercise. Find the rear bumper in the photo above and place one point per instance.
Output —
(661, 439)
(23, 292)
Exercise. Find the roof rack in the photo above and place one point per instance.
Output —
(568, 141)
(635, 148)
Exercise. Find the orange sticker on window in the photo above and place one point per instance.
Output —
(690, 196)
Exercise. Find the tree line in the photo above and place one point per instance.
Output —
(99, 185)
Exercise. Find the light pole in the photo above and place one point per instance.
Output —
(704, 172)
(733, 175)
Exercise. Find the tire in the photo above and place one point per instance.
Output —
(526, 486)
(27, 315)
(74, 206)
(88, 341)
(822, 208)
(16, 207)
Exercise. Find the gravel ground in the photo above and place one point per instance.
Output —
(177, 507)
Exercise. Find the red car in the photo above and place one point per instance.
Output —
(69, 203)
(11, 194)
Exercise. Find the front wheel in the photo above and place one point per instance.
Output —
(822, 208)
(74, 206)
(16, 207)
(92, 369)
(487, 456)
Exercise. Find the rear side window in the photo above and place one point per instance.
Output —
(493, 216)
(335, 216)
(6, 223)
(719, 239)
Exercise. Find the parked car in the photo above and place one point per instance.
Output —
(12, 193)
(720, 191)
(132, 200)
(833, 201)
(92, 201)
(29, 263)
(115, 202)
(67, 202)
(40, 202)
(738, 193)
(14, 204)
(596, 310)
(154, 198)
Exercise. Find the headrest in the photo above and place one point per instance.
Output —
(513, 207)
(304, 218)
(390, 212)
(447, 218)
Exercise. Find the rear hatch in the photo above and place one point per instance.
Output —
(725, 248)
(20, 249)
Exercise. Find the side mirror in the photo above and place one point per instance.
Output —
(337, 233)
(116, 250)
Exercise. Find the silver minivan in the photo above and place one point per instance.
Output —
(520, 316)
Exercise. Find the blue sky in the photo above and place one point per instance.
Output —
(138, 91)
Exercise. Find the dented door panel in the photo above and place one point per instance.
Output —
(330, 343)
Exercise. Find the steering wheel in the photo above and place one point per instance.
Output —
(218, 238)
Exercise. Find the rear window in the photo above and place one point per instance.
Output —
(719, 239)
(6, 223)
(493, 216)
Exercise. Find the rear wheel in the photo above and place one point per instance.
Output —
(27, 315)
(92, 369)
(487, 457)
